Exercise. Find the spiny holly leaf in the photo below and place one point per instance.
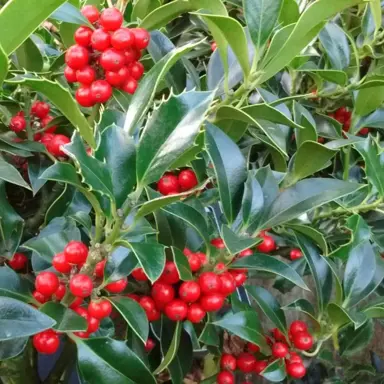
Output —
(353, 340)
(340, 316)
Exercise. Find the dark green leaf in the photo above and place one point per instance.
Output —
(313, 234)
(253, 200)
(352, 341)
(10, 174)
(340, 316)
(70, 14)
(12, 348)
(210, 336)
(120, 264)
(29, 56)
(13, 285)
(374, 120)
(284, 285)
(236, 243)
(63, 173)
(368, 99)
(35, 170)
(190, 329)
(302, 305)
(338, 77)
(182, 264)
(275, 372)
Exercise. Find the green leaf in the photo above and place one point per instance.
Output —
(304, 196)
(171, 349)
(118, 151)
(63, 173)
(66, 319)
(253, 200)
(352, 341)
(290, 12)
(120, 264)
(261, 17)
(10, 174)
(62, 99)
(338, 77)
(70, 14)
(302, 305)
(375, 311)
(171, 130)
(368, 99)
(270, 306)
(245, 325)
(33, 15)
(340, 316)
(151, 257)
(302, 168)
(12, 348)
(143, 7)
(29, 56)
(35, 170)
(3, 65)
(275, 372)
(18, 319)
(236, 243)
(133, 314)
(209, 335)
(374, 120)
(313, 234)
(167, 12)
(142, 99)
(320, 270)
(265, 263)
(182, 264)
(15, 286)
(303, 117)
(93, 172)
(230, 171)
(104, 360)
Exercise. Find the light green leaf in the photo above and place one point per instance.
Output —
(29, 56)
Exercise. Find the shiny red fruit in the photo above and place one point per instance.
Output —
(136, 69)
(268, 244)
(187, 179)
(93, 324)
(246, 252)
(209, 283)
(170, 274)
(203, 258)
(40, 109)
(149, 345)
(139, 274)
(189, 291)
(280, 350)
(81, 285)
(112, 60)
(46, 342)
(123, 38)
(278, 335)
(228, 284)
(149, 306)
(86, 75)
(46, 283)
(162, 293)
(168, 184)
(253, 347)
(83, 36)
(54, 146)
(60, 263)
(176, 310)
(297, 326)
(100, 40)
(364, 131)
(218, 243)
(142, 37)
(40, 297)
(133, 296)
(195, 313)
(220, 267)
(296, 370)
(117, 286)
(131, 55)
(111, 19)
(212, 302)
(295, 254)
(302, 341)
(246, 362)
(18, 261)
(225, 377)
(47, 120)
(100, 309)
(228, 362)
(294, 358)
(60, 292)
(17, 124)
(91, 13)
(213, 46)
(99, 269)
(84, 97)
(116, 79)
(101, 91)
(341, 115)
(130, 86)
(82, 335)
(76, 252)
(260, 366)
(77, 57)
(70, 74)
(194, 262)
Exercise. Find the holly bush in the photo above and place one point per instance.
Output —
(191, 191)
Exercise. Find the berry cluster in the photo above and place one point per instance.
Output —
(40, 118)
(343, 116)
(252, 361)
(105, 57)
(171, 184)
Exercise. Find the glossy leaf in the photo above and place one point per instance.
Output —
(70, 14)
(35, 170)
(3, 65)
(10, 174)
(236, 243)
(119, 265)
(12, 348)
(134, 315)
(143, 7)
(253, 200)
(104, 360)
(15, 286)
(290, 12)
(63, 173)
(29, 56)
(368, 99)
(313, 234)
(374, 120)
(275, 372)
(182, 264)
(340, 316)
(352, 341)
(302, 305)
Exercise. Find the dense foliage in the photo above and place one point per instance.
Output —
(171, 171)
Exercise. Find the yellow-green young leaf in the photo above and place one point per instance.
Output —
(340, 316)
(13, 32)
(290, 12)
(368, 99)
(164, 14)
(63, 100)
(143, 8)
(376, 13)
(3, 65)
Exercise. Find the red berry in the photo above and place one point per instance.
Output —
(212, 302)
(60, 292)
(203, 258)
(162, 293)
(40, 109)
(54, 146)
(123, 38)
(176, 310)
(364, 131)
(209, 283)
(86, 75)
(295, 254)
(46, 342)
(70, 74)
(47, 120)
(100, 40)
(225, 377)
(101, 91)
(18, 261)
(278, 335)
(117, 286)
(17, 124)
(168, 184)
(82, 335)
(100, 309)
(220, 267)
(116, 79)
(91, 13)
(112, 60)
(131, 55)
(134, 297)
(130, 86)
(93, 324)
(246, 362)
(111, 19)
(136, 69)
(195, 313)
(189, 291)
(294, 358)
(239, 277)
(60, 263)
(149, 345)
(81, 285)
(149, 306)
(187, 252)
(218, 243)
(296, 370)
(99, 269)
(46, 283)
(187, 179)
(194, 262)
(279, 350)
(297, 326)
(228, 362)
(260, 366)
(340, 115)
(246, 252)
(268, 244)
(170, 274)
(253, 347)
(83, 36)
(139, 274)
(142, 38)
(76, 252)
(303, 341)
(84, 97)
(213, 46)
(228, 284)
(40, 297)
(77, 57)
(76, 303)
